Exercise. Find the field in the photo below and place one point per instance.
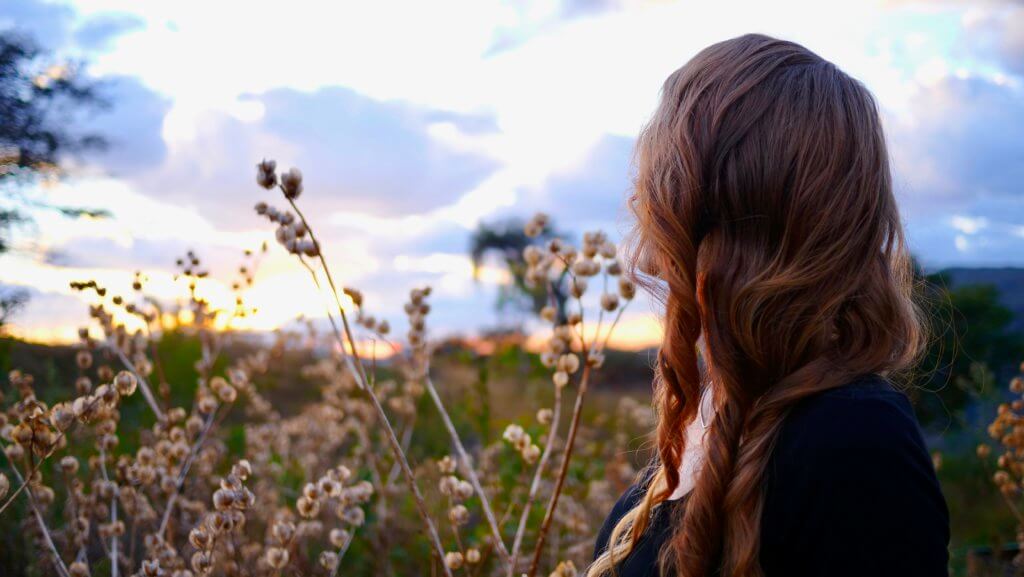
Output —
(179, 448)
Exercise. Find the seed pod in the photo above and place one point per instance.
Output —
(125, 383)
(328, 560)
(69, 465)
(560, 378)
(568, 363)
(453, 560)
(339, 537)
(291, 183)
(353, 516)
(531, 454)
(266, 177)
(307, 507)
(78, 569)
(577, 287)
(544, 416)
(627, 289)
(277, 557)
(609, 302)
(83, 359)
(202, 562)
(458, 515)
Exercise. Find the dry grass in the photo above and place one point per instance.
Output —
(329, 476)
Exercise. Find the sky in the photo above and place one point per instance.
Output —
(415, 121)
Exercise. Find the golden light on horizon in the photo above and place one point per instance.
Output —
(636, 331)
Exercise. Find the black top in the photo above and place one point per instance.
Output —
(850, 491)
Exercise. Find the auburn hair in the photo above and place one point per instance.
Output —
(766, 223)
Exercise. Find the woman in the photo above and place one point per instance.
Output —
(766, 217)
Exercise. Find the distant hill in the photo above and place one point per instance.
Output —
(1008, 280)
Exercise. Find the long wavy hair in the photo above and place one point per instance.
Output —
(764, 210)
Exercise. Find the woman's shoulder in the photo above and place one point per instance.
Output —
(857, 448)
(850, 477)
(867, 415)
(629, 499)
(645, 552)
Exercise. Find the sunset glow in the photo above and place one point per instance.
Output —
(502, 111)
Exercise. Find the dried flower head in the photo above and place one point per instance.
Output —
(291, 183)
(266, 175)
(453, 560)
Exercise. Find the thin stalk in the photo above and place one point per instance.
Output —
(360, 374)
(611, 329)
(563, 471)
(143, 385)
(179, 483)
(455, 530)
(73, 507)
(113, 516)
(537, 476)
(467, 465)
(334, 290)
(342, 550)
(61, 567)
(485, 554)
(406, 440)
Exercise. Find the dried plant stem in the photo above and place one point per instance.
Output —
(179, 483)
(143, 385)
(467, 465)
(342, 550)
(489, 547)
(406, 440)
(334, 293)
(113, 516)
(611, 329)
(396, 448)
(73, 507)
(359, 372)
(23, 484)
(455, 532)
(537, 476)
(53, 449)
(570, 440)
(58, 562)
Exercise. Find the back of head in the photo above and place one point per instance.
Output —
(764, 205)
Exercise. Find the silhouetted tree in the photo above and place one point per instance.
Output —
(507, 239)
(973, 348)
(39, 103)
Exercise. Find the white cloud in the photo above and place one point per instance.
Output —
(968, 225)
(415, 120)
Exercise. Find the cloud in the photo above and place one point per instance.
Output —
(132, 126)
(996, 30)
(576, 8)
(99, 32)
(531, 18)
(133, 122)
(377, 156)
(139, 254)
(410, 130)
(49, 23)
(589, 195)
(961, 146)
(597, 189)
(357, 154)
(59, 27)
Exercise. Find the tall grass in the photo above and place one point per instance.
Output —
(380, 472)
